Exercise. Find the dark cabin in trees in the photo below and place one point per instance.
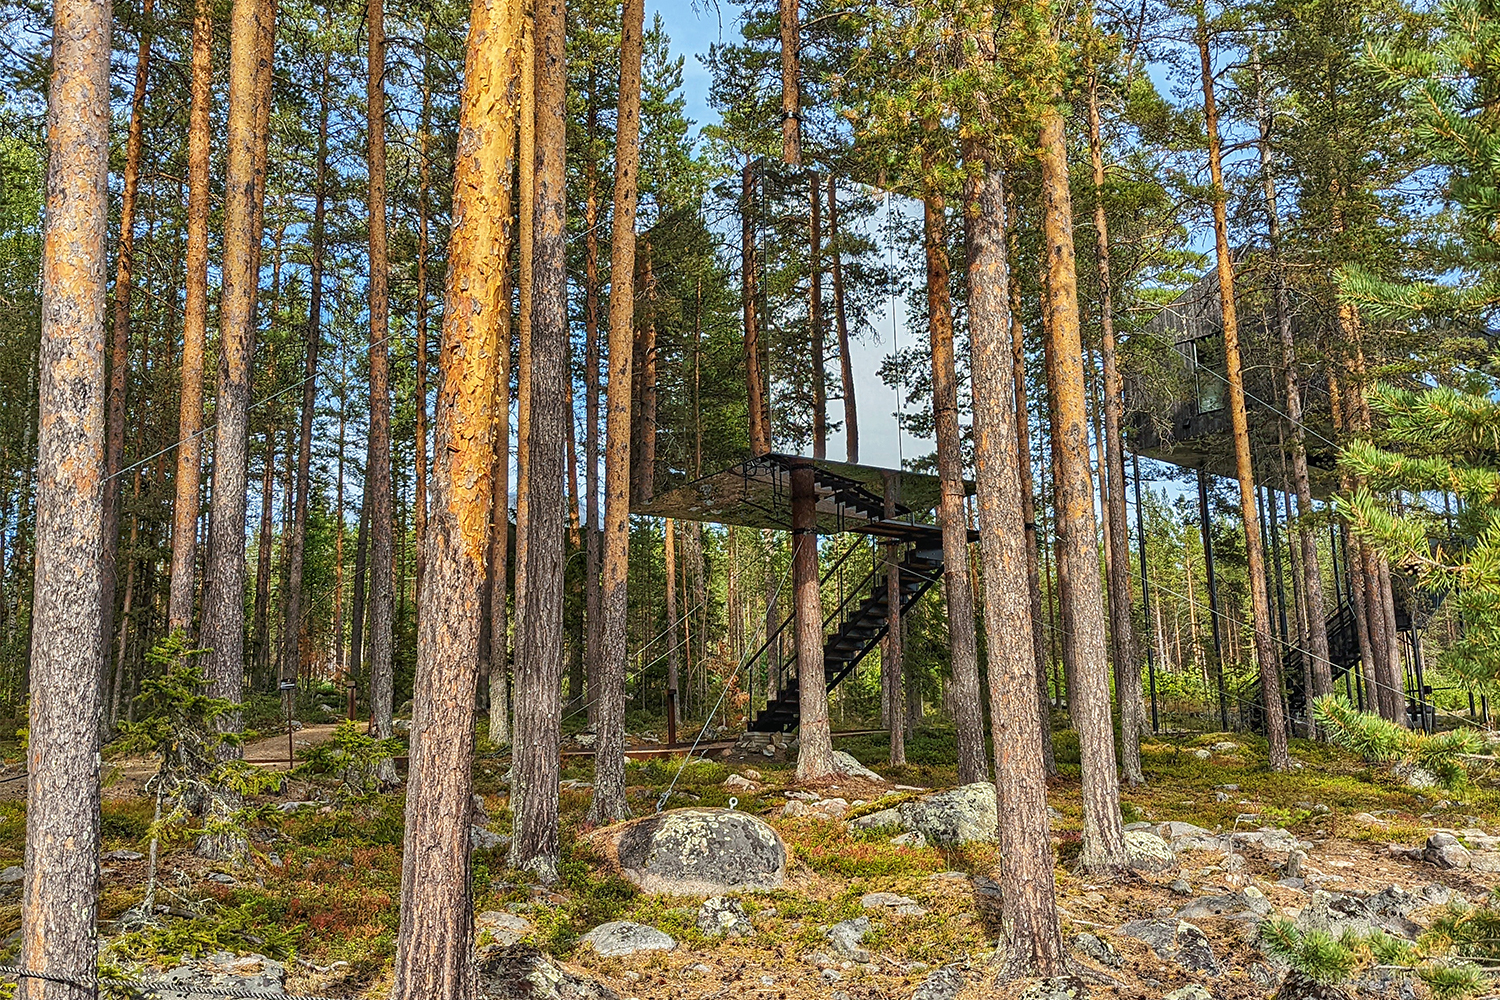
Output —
(1180, 415)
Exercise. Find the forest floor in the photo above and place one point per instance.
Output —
(321, 891)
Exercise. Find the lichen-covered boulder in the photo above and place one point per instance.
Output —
(625, 937)
(696, 852)
(954, 817)
(521, 972)
(1148, 852)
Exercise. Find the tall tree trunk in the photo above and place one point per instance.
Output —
(538, 679)
(338, 539)
(643, 453)
(1034, 944)
(357, 603)
(499, 556)
(815, 335)
(1312, 578)
(815, 735)
(841, 325)
(1103, 834)
(424, 186)
(1028, 514)
(525, 237)
(122, 641)
(60, 895)
(1265, 645)
(892, 688)
(791, 115)
(296, 560)
(261, 623)
(674, 660)
(1122, 632)
(756, 403)
(593, 540)
(958, 588)
(609, 701)
(252, 24)
(186, 504)
(119, 360)
(378, 467)
(434, 947)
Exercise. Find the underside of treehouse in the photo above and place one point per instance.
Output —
(758, 493)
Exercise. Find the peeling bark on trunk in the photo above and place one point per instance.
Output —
(1033, 934)
(957, 587)
(539, 676)
(186, 505)
(434, 947)
(791, 115)
(1265, 646)
(60, 894)
(1103, 834)
(609, 802)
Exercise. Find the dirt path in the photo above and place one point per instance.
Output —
(125, 777)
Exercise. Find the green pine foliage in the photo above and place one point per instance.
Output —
(1379, 741)
(1316, 954)
(1432, 959)
(1449, 443)
(353, 759)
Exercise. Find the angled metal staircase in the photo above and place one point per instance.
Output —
(863, 617)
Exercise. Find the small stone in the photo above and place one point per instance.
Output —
(830, 975)
(123, 855)
(1292, 867)
(1094, 947)
(740, 782)
(846, 936)
(752, 774)
(1060, 988)
(1181, 887)
(1364, 817)
(916, 840)
(505, 929)
(724, 915)
(1190, 992)
(220, 878)
(1148, 852)
(1202, 754)
(12, 875)
(944, 984)
(901, 906)
(768, 980)
(623, 937)
(1292, 883)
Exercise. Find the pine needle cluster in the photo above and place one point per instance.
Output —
(1379, 741)
(1434, 958)
(1450, 444)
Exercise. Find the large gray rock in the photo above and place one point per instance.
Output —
(852, 768)
(697, 852)
(880, 820)
(521, 972)
(953, 817)
(1094, 947)
(222, 970)
(1335, 913)
(724, 915)
(944, 984)
(1148, 852)
(1247, 904)
(1176, 941)
(623, 937)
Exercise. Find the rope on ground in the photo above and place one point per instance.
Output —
(157, 987)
